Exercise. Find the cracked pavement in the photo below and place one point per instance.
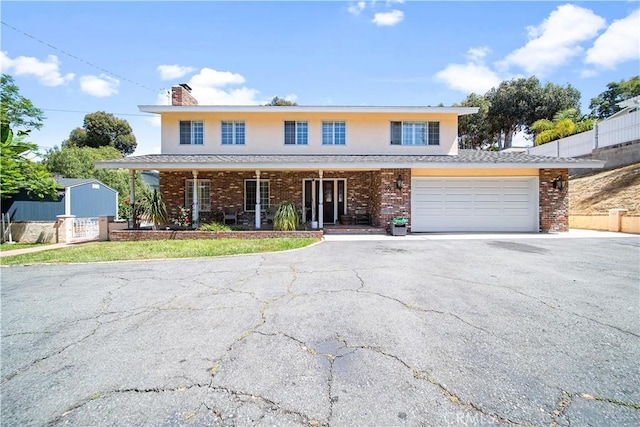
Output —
(542, 332)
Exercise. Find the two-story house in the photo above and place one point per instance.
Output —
(332, 161)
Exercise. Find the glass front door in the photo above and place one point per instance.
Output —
(333, 199)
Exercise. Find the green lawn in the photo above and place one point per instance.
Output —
(157, 249)
(13, 246)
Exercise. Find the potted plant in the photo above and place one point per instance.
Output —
(399, 226)
(286, 217)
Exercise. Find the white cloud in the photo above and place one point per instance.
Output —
(470, 77)
(619, 43)
(47, 72)
(292, 97)
(99, 86)
(215, 78)
(169, 72)
(356, 8)
(388, 18)
(474, 76)
(208, 87)
(477, 54)
(556, 40)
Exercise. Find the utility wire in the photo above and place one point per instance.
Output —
(80, 59)
(89, 112)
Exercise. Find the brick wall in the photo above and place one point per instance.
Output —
(181, 96)
(137, 235)
(554, 203)
(392, 202)
(227, 190)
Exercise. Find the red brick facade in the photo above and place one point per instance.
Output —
(373, 191)
(554, 202)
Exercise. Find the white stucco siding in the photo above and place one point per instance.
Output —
(366, 133)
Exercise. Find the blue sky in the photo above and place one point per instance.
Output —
(81, 57)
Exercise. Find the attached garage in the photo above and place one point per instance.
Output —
(495, 204)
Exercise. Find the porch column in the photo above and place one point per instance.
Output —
(320, 204)
(132, 197)
(195, 209)
(258, 218)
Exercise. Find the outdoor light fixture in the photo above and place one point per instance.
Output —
(399, 182)
(559, 183)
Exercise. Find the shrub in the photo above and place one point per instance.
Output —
(214, 226)
(286, 217)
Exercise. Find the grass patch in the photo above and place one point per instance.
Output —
(155, 249)
(13, 246)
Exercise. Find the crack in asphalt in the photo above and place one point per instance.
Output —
(101, 394)
(421, 375)
(540, 301)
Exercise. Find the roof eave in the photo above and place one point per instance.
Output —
(187, 166)
(159, 109)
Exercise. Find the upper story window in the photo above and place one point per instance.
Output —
(191, 132)
(232, 133)
(334, 133)
(415, 133)
(296, 133)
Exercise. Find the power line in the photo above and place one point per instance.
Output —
(89, 112)
(80, 59)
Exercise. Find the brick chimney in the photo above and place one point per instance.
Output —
(181, 95)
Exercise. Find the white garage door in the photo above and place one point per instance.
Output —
(474, 204)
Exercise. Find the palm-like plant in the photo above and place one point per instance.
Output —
(565, 123)
(286, 217)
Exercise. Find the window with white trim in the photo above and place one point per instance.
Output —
(233, 133)
(296, 133)
(204, 194)
(191, 132)
(250, 194)
(415, 133)
(334, 133)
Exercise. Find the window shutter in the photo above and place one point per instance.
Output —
(396, 133)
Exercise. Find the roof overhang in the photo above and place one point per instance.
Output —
(159, 109)
(348, 162)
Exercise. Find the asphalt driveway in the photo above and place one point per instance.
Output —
(495, 331)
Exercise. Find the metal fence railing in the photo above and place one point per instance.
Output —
(618, 130)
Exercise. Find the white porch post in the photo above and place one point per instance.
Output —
(321, 203)
(258, 207)
(132, 197)
(195, 209)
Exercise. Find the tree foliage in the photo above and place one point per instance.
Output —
(78, 162)
(565, 123)
(516, 104)
(103, 129)
(605, 104)
(513, 106)
(17, 169)
(475, 130)
(280, 102)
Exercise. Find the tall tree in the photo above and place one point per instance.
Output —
(605, 104)
(516, 104)
(18, 170)
(475, 130)
(103, 130)
(280, 102)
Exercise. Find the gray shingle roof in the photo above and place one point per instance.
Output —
(465, 158)
(70, 182)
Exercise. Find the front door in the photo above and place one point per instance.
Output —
(333, 199)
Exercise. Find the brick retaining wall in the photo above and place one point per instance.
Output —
(135, 235)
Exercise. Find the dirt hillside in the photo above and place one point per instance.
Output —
(597, 193)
